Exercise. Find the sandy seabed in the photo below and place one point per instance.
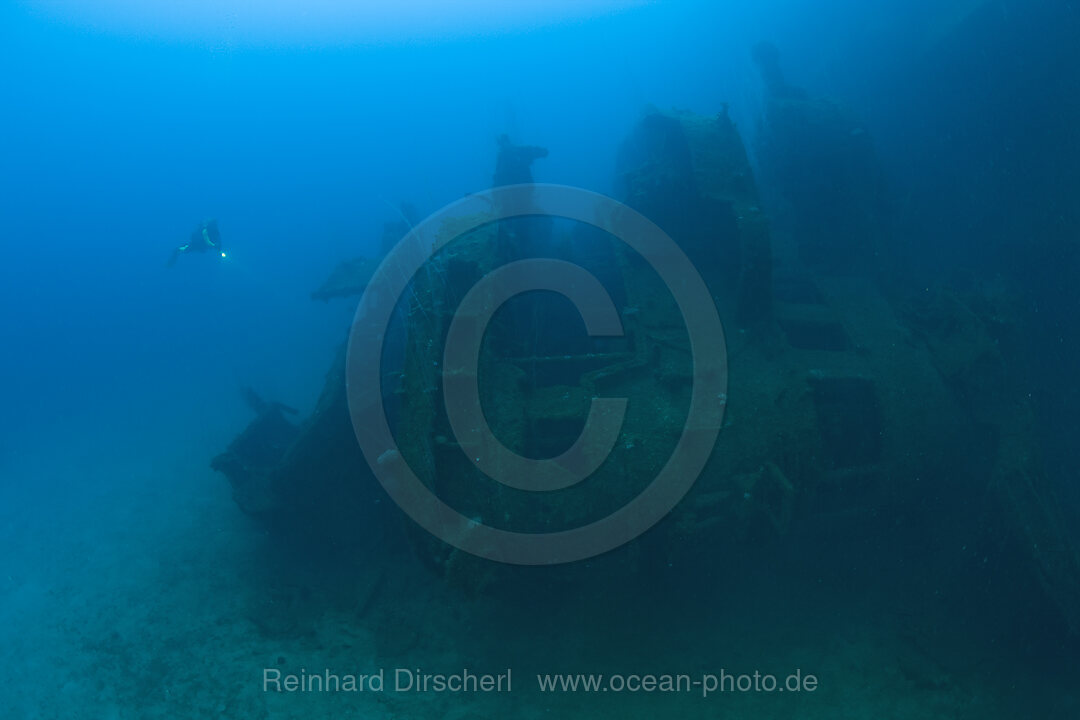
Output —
(132, 587)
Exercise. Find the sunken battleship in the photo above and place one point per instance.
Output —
(855, 403)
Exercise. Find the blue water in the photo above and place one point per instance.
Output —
(127, 573)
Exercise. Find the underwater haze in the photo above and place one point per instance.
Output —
(838, 245)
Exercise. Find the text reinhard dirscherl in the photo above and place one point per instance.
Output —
(412, 680)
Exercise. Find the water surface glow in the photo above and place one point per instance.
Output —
(320, 21)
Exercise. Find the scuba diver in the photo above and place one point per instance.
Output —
(204, 238)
